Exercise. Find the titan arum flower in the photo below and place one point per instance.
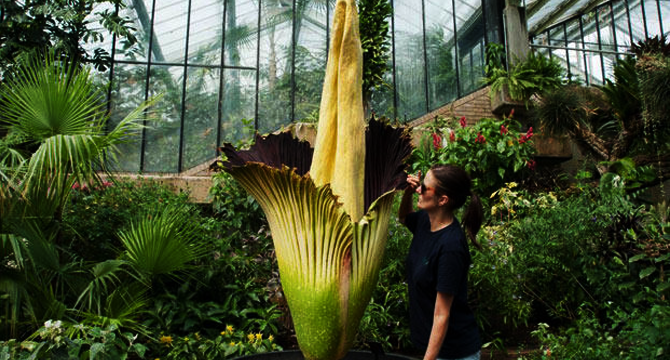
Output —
(328, 208)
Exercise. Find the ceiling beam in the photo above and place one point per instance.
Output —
(560, 11)
(535, 7)
(550, 18)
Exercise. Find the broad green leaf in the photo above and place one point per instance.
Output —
(647, 271)
(96, 348)
(637, 257)
(663, 286)
(662, 258)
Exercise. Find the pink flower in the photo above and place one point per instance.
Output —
(463, 123)
(75, 186)
(503, 130)
(452, 136)
(480, 139)
(527, 136)
(437, 141)
(531, 164)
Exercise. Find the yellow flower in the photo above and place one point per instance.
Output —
(250, 337)
(186, 339)
(167, 340)
(197, 336)
(230, 328)
(232, 343)
(259, 336)
(223, 332)
(271, 338)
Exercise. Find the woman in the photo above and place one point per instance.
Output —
(441, 321)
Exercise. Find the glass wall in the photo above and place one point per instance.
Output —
(589, 44)
(225, 68)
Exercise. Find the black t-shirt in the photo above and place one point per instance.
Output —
(439, 261)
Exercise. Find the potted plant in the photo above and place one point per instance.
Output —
(513, 88)
(329, 207)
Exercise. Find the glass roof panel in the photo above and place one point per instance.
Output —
(544, 13)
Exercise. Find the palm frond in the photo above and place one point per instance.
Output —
(50, 97)
(12, 249)
(105, 280)
(12, 283)
(162, 242)
(122, 308)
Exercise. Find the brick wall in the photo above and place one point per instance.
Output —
(474, 107)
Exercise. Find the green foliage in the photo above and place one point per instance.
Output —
(640, 334)
(229, 344)
(61, 340)
(658, 45)
(491, 151)
(586, 262)
(162, 241)
(532, 76)
(654, 83)
(495, 59)
(234, 206)
(624, 173)
(55, 132)
(375, 41)
(623, 94)
(499, 280)
(568, 109)
(94, 213)
(55, 24)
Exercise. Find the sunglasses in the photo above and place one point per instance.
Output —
(425, 188)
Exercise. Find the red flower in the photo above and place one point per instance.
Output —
(463, 123)
(531, 164)
(480, 139)
(503, 130)
(437, 141)
(511, 113)
(452, 136)
(527, 136)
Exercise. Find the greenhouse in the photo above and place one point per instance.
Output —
(213, 179)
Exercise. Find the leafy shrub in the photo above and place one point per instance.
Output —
(61, 340)
(491, 151)
(532, 76)
(230, 282)
(95, 213)
(226, 345)
(576, 260)
(233, 206)
(639, 335)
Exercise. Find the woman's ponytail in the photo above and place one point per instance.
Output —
(472, 219)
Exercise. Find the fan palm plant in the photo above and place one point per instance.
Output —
(328, 208)
(54, 121)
